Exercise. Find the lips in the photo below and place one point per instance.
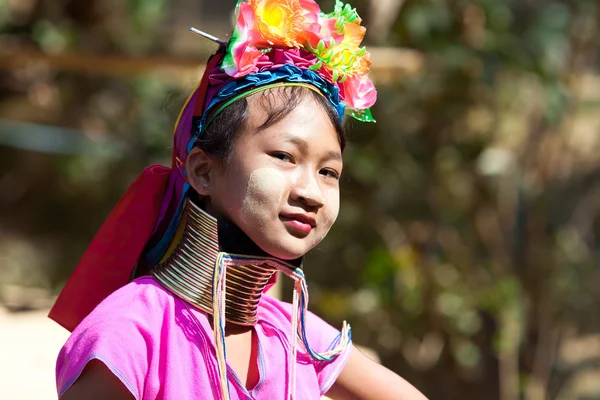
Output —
(298, 224)
(303, 218)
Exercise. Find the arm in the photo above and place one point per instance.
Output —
(96, 382)
(364, 379)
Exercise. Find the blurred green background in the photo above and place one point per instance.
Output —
(467, 251)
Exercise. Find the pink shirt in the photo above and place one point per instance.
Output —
(160, 347)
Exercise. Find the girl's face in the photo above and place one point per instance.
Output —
(281, 184)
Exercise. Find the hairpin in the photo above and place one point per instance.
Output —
(206, 35)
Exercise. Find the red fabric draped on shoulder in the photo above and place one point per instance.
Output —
(113, 253)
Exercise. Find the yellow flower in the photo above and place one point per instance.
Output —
(346, 61)
(282, 22)
(337, 43)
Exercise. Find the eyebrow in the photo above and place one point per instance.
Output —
(331, 155)
(334, 155)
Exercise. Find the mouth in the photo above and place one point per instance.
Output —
(300, 224)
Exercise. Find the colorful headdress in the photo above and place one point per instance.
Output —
(328, 44)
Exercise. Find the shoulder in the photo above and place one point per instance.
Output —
(122, 332)
(142, 294)
(135, 311)
(142, 303)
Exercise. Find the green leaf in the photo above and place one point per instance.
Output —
(362, 115)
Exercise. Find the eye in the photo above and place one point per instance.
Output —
(285, 157)
(330, 173)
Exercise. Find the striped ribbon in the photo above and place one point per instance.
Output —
(299, 311)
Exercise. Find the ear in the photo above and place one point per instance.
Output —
(199, 166)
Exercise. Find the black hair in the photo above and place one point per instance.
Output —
(218, 137)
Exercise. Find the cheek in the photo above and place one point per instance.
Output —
(332, 198)
(264, 193)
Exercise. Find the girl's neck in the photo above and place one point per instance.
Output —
(188, 269)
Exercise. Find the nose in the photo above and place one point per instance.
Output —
(307, 190)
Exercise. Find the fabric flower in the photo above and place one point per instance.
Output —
(326, 32)
(312, 13)
(242, 55)
(342, 61)
(279, 57)
(337, 43)
(283, 22)
(353, 34)
(362, 65)
(359, 92)
(343, 25)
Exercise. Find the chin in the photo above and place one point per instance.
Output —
(286, 254)
(286, 251)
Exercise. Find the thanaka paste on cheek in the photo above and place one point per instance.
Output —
(264, 193)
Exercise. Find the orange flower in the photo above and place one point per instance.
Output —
(283, 22)
(362, 66)
(353, 34)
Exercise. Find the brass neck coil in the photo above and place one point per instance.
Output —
(188, 271)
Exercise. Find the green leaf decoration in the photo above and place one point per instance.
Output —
(335, 75)
(321, 46)
(344, 12)
(363, 115)
(316, 66)
(344, 76)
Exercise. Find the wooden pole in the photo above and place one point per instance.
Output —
(388, 63)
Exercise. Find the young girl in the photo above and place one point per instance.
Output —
(253, 187)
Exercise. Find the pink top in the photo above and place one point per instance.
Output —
(160, 347)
